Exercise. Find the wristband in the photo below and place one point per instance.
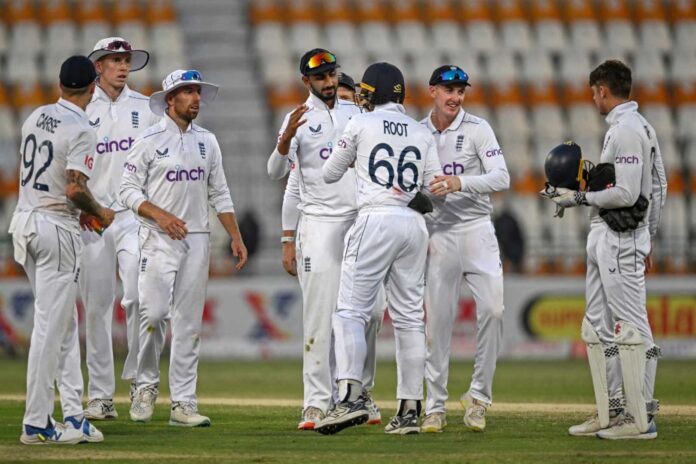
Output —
(287, 238)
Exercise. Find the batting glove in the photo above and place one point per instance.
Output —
(567, 198)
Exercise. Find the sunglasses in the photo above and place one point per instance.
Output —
(119, 44)
(319, 59)
(455, 74)
(191, 75)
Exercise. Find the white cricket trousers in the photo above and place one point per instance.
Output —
(52, 265)
(172, 285)
(466, 251)
(615, 291)
(385, 245)
(118, 246)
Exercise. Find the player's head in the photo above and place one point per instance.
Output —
(77, 79)
(114, 59)
(183, 94)
(346, 87)
(565, 168)
(447, 86)
(381, 83)
(611, 85)
(319, 74)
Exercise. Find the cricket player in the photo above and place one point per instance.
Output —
(394, 157)
(327, 212)
(621, 351)
(57, 157)
(346, 88)
(118, 114)
(173, 172)
(463, 245)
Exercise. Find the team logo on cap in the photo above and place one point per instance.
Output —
(397, 88)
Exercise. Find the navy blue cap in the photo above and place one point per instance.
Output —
(77, 72)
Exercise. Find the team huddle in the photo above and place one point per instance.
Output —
(113, 181)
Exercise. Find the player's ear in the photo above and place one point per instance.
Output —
(432, 90)
(305, 81)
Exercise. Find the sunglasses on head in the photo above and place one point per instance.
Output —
(191, 75)
(455, 74)
(119, 44)
(319, 59)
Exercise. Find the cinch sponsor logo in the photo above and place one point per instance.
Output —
(556, 317)
(129, 167)
(629, 159)
(184, 175)
(111, 146)
(325, 152)
(494, 152)
(453, 169)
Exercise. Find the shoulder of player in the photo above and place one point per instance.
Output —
(345, 105)
(626, 130)
(201, 130)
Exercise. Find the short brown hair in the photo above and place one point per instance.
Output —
(615, 75)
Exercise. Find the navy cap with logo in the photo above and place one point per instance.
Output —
(346, 81)
(449, 75)
(383, 83)
(317, 61)
(77, 72)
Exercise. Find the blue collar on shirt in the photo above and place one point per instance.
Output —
(620, 110)
(315, 102)
(101, 95)
(452, 127)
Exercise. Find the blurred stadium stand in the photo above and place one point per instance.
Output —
(528, 60)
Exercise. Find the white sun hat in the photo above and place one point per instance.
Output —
(109, 45)
(180, 78)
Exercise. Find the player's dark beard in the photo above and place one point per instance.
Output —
(324, 98)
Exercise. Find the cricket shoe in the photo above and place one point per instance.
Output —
(143, 405)
(91, 433)
(345, 414)
(474, 413)
(54, 434)
(372, 408)
(403, 425)
(132, 390)
(101, 409)
(185, 414)
(435, 422)
(626, 429)
(591, 426)
(310, 418)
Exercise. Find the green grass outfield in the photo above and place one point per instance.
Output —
(255, 406)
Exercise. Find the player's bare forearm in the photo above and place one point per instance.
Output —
(174, 227)
(229, 222)
(78, 192)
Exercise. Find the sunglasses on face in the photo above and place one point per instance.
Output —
(118, 45)
(453, 75)
(319, 59)
(191, 75)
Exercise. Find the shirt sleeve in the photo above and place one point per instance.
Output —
(343, 155)
(627, 154)
(279, 165)
(291, 202)
(659, 192)
(432, 165)
(495, 176)
(81, 150)
(135, 175)
(219, 196)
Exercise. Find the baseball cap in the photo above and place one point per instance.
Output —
(180, 78)
(77, 72)
(317, 61)
(346, 81)
(109, 45)
(449, 75)
(383, 83)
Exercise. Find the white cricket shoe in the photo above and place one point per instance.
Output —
(54, 434)
(132, 390)
(435, 422)
(403, 425)
(310, 417)
(91, 433)
(143, 405)
(626, 429)
(375, 416)
(474, 413)
(591, 426)
(185, 414)
(101, 409)
(345, 414)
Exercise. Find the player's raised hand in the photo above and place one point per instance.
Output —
(239, 251)
(294, 122)
(174, 227)
(442, 185)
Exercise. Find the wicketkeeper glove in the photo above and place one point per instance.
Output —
(421, 203)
